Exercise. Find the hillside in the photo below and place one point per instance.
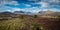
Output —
(30, 23)
(46, 21)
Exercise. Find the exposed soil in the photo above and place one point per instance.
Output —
(50, 24)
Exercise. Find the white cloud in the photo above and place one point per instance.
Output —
(8, 10)
(49, 4)
(4, 7)
(33, 9)
(15, 3)
(27, 5)
(43, 4)
(32, 0)
(51, 1)
(16, 9)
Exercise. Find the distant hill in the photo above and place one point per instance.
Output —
(48, 12)
(6, 12)
(18, 12)
(23, 13)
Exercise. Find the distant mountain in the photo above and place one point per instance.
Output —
(19, 12)
(6, 12)
(41, 12)
(57, 13)
(48, 12)
(22, 12)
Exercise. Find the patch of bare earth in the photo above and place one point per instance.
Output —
(49, 23)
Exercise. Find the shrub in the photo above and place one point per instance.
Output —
(34, 16)
(21, 17)
(36, 26)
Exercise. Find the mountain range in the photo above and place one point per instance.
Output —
(48, 12)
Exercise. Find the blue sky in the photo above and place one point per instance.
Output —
(29, 5)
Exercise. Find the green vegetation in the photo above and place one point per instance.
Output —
(21, 17)
(19, 24)
(23, 23)
(36, 26)
(34, 16)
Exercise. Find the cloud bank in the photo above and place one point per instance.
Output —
(29, 5)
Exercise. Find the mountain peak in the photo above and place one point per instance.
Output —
(49, 12)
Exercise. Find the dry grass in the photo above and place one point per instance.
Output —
(19, 24)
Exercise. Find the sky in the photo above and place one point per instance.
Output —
(29, 5)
